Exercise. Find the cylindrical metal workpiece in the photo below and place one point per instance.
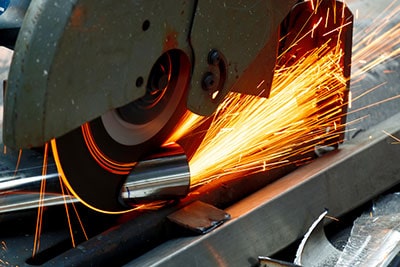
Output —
(165, 175)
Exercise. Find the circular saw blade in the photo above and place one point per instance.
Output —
(95, 159)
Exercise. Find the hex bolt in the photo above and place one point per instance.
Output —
(209, 82)
(214, 57)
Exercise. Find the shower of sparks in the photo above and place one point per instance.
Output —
(189, 122)
(379, 45)
(251, 134)
(373, 45)
(305, 109)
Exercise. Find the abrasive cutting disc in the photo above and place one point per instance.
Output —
(95, 159)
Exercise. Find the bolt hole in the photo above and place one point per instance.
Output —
(146, 25)
(139, 82)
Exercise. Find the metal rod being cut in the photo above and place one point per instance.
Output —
(163, 176)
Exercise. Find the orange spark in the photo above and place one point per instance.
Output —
(350, 100)
(250, 133)
(392, 136)
(315, 26)
(66, 194)
(312, 5)
(241, 137)
(338, 28)
(375, 104)
(188, 123)
(327, 18)
(18, 162)
(39, 219)
(377, 43)
(4, 245)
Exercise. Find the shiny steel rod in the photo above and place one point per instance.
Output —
(163, 176)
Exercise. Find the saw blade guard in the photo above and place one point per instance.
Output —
(79, 59)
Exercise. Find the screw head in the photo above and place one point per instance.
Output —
(214, 57)
(209, 81)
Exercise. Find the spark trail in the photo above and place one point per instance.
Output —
(251, 134)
